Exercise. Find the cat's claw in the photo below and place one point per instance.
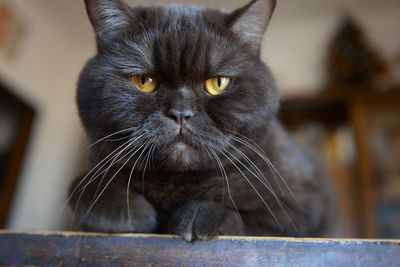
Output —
(204, 220)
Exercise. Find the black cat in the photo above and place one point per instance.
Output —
(182, 113)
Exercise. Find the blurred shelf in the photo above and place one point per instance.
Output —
(352, 106)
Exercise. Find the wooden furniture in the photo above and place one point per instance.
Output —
(16, 118)
(352, 106)
(77, 249)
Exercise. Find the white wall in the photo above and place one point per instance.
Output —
(300, 31)
(44, 74)
(59, 40)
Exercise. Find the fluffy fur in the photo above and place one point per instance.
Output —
(227, 167)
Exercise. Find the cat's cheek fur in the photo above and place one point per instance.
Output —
(109, 102)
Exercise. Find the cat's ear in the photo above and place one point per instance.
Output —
(251, 21)
(108, 17)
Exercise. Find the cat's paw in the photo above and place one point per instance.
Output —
(204, 220)
(112, 216)
(109, 212)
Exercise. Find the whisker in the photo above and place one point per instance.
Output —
(224, 175)
(264, 180)
(113, 162)
(113, 159)
(269, 189)
(107, 184)
(147, 158)
(94, 168)
(94, 177)
(100, 152)
(108, 158)
(267, 161)
(143, 165)
(213, 160)
(129, 182)
(257, 149)
(108, 136)
(255, 190)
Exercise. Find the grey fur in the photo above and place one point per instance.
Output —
(207, 175)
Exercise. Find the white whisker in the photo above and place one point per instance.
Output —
(113, 162)
(267, 161)
(105, 160)
(264, 180)
(82, 190)
(108, 136)
(223, 172)
(269, 189)
(255, 190)
(217, 167)
(107, 184)
(145, 145)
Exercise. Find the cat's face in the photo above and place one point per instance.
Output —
(180, 80)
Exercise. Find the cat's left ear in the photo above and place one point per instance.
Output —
(251, 21)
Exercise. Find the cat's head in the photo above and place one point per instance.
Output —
(177, 79)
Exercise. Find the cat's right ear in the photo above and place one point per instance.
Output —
(108, 17)
(251, 21)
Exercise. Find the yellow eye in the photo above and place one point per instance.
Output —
(145, 83)
(217, 85)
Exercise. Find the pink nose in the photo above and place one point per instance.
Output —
(180, 116)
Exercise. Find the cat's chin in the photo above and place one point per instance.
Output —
(183, 157)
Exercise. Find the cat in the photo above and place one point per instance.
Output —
(182, 114)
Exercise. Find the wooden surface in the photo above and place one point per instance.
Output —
(78, 249)
(358, 113)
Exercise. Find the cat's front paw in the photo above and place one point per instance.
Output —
(204, 220)
(109, 212)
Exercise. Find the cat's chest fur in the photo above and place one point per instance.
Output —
(169, 190)
(231, 187)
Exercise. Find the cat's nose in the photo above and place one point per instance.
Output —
(180, 116)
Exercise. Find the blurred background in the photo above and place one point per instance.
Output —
(337, 64)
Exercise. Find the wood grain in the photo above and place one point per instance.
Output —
(79, 249)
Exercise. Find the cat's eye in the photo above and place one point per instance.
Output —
(145, 83)
(217, 85)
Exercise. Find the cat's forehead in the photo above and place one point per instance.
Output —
(177, 15)
(181, 9)
(183, 42)
(174, 10)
